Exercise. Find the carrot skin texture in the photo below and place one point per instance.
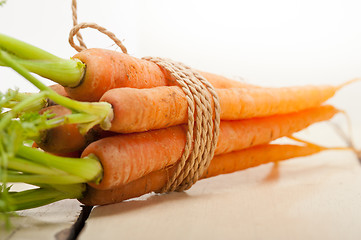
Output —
(161, 107)
(258, 131)
(128, 157)
(59, 90)
(138, 110)
(258, 102)
(66, 139)
(219, 81)
(62, 139)
(221, 164)
(256, 156)
(144, 148)
(106, 69)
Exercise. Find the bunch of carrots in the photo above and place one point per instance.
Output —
(113, 127)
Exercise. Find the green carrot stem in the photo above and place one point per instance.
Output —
(67, 72)
(9, 61)
(102, 110)
(18, 108)
(24, 50)
(98, 112)
(33, 107)
(23, 165)
(18, 97)
(88, 169)
(55, 122)
(41, 179)
(43, 196)
(34, 204)
(4, 161)
(79, 118)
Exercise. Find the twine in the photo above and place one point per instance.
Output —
(76, 28)
(202, 131)
(203, 119)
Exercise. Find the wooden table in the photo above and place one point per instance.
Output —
(316, 197)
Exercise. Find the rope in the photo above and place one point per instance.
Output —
(202, 129)
(202, 132)
(76, 27)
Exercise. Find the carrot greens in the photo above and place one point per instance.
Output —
(54, 178)
(86, 114)
(66, 72)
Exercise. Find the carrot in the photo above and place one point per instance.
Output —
(128, 157)
(162, 107)
(221, 164)
(137, 110)
(219, 81)
(66, 139)
(107, 69)
(59, 90)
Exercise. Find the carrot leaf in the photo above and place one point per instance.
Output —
(54, 178)
(93, 112)
(67, 72)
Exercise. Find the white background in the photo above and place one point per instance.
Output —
(273, 43)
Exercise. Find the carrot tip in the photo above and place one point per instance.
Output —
(348, 83)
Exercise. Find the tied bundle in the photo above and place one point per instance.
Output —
(116, 127)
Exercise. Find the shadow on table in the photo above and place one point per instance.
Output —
(145, 201)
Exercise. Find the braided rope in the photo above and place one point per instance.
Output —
(76, 27)
(202, 132)
(74, 8)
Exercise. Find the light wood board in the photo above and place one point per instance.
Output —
(315, 197)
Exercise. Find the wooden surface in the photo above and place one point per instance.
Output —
(48, 222)
(313, 198)
(316, 197)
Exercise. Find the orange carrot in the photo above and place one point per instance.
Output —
(66, 139)
(137, 110)
(59, 90)
(221, 164)
(61, 139)
(219, 81)
(128, 157)
(107, 69)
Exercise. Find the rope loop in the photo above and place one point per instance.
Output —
(75, 32)
(76, 27)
